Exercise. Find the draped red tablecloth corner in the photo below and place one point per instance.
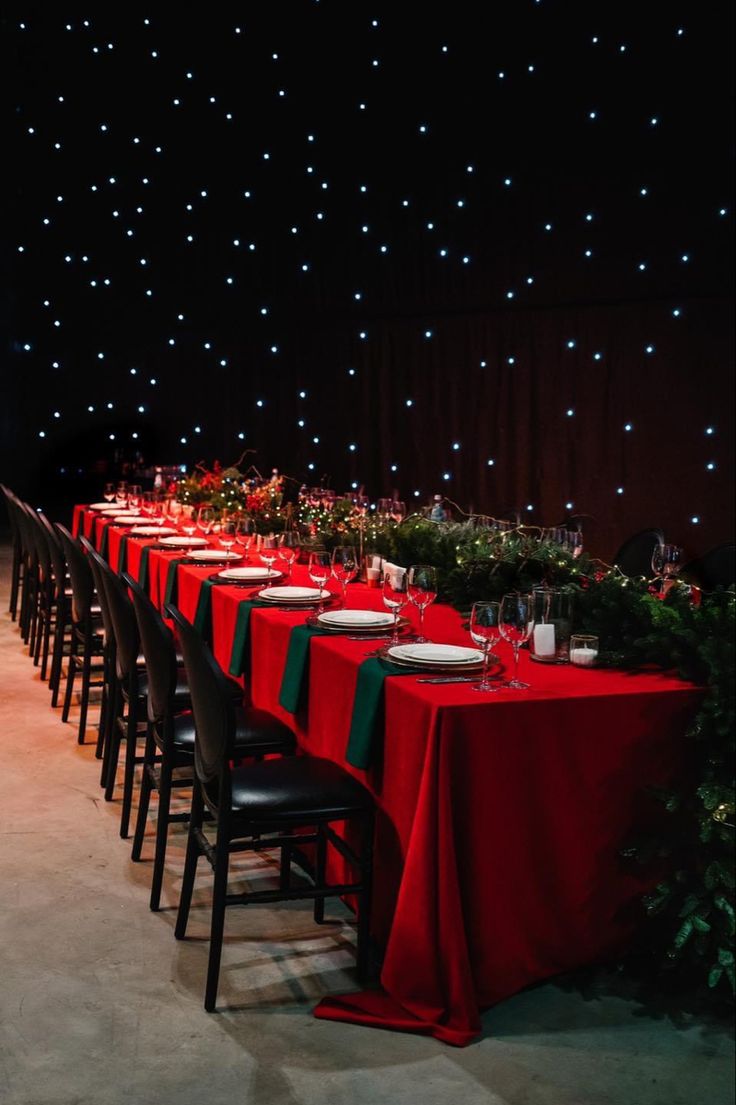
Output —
(499, 817)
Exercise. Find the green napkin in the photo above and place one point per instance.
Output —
(123, 553)
(143, 570)
(238, 653)
(103, 539)
(203, 615)
(366, 724)
(295, 679)
(171, 590)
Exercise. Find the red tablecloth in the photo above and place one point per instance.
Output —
(499, 817)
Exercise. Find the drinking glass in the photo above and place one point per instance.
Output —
(228, 532)
(121, 493)
(398, 511)
(109, 493)
(320, 569)
(422, 580)
(485, 632)
(157, 511)
(289, 550)
(344, 567)
(395, 598)
(666, 564)
(268, 552)
(205, 519)
(516, 625)
(244, 534)
(188, 520)
(383, 510)
(134, 497)
(175, 511)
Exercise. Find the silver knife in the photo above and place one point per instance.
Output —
(451, 679)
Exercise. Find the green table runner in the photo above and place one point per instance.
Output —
(295, 679)
(171, 590)
(203, 614)
(366, 725)
(103, 539)
(239, 651)
(123, 553)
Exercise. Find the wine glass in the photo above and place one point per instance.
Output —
(666, 564)
(395, 598)
(109, 493)
(485, 632)
(205, 520)
(344, 567)
(134, 497)
(268, 552)
(175, 511)
(516, 625)
(320, 570)
(289, 550)
(121, 493)
(228, 532)
(398, 511)
(422, 591)
(189, 520)
(383, 510)
(244, 534)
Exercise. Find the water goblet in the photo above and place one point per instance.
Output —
(134, 497)
(205, 520)
(344, 567)
(666, 564)
(268, 552)
(398, 511)
(395, 598)
(109, 493)
(289, 550)
(244, 533)
(422, 591)
(320, 570)
(485, 632)
(188, 520)
(121, 493)
(516, 624)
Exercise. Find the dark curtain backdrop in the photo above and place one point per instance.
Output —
(494, 375)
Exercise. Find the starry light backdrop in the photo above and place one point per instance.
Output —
(478, 251)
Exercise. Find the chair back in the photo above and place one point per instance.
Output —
(27, 535)
(94, 559)
(83, 585)
(12, 518)
(159, 650)
(43, 555)
(56, 555)
(124, 625)
(634, 558)
(214, 713)
(716, 568)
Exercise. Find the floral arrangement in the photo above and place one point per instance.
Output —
(229, 489)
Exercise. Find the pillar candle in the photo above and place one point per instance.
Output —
(544, 640)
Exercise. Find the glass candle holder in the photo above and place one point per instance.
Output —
(583, 650)
(550, 639)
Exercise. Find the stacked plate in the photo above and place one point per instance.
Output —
(128, 519)
(151, 531)
(249, 576)
(180, 542)
(435, 657)
(357, 621)
(294, 596)
(216, 556)
(102, 506)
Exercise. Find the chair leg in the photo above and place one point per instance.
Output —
(57, 656)
(320, 863)
(285, 868)
(144, 797)
(162, 833)
(190, 863)
(217, 926)
(46, 642)
(366, 897)
(14, 584)
(40, 627)
(86, 677)
(111, 751)
(104, 708)
(70, 678)
(129, 774)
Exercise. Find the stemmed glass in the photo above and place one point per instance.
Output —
(121, 493)
(228, 533)
(395, 598)
(175, 511)
(289, 550)
(268, 553)
(422, 580)
(134, 497)
(157, 511)
(344, 567)
(205, 520)
(189, 521)
(244, 534)
(485, 632)
(320, 570)
(383, 510)
(398, 511)
(109, 493)
(516, 625)
(666, 564)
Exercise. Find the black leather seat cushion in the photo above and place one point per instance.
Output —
(296, 789)
(257, 733)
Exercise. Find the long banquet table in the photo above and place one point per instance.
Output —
(500, 817)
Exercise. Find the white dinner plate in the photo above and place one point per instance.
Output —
(298, 595)
(151, 531)
(129, 519)
(355, 619)
(435, 654)
(249, 575)
(101, 506)
(218, 555)
(179, 542)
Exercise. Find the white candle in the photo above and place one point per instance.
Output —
(583, 657)
(544, 640)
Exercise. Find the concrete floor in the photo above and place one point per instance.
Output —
(99, 1005)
